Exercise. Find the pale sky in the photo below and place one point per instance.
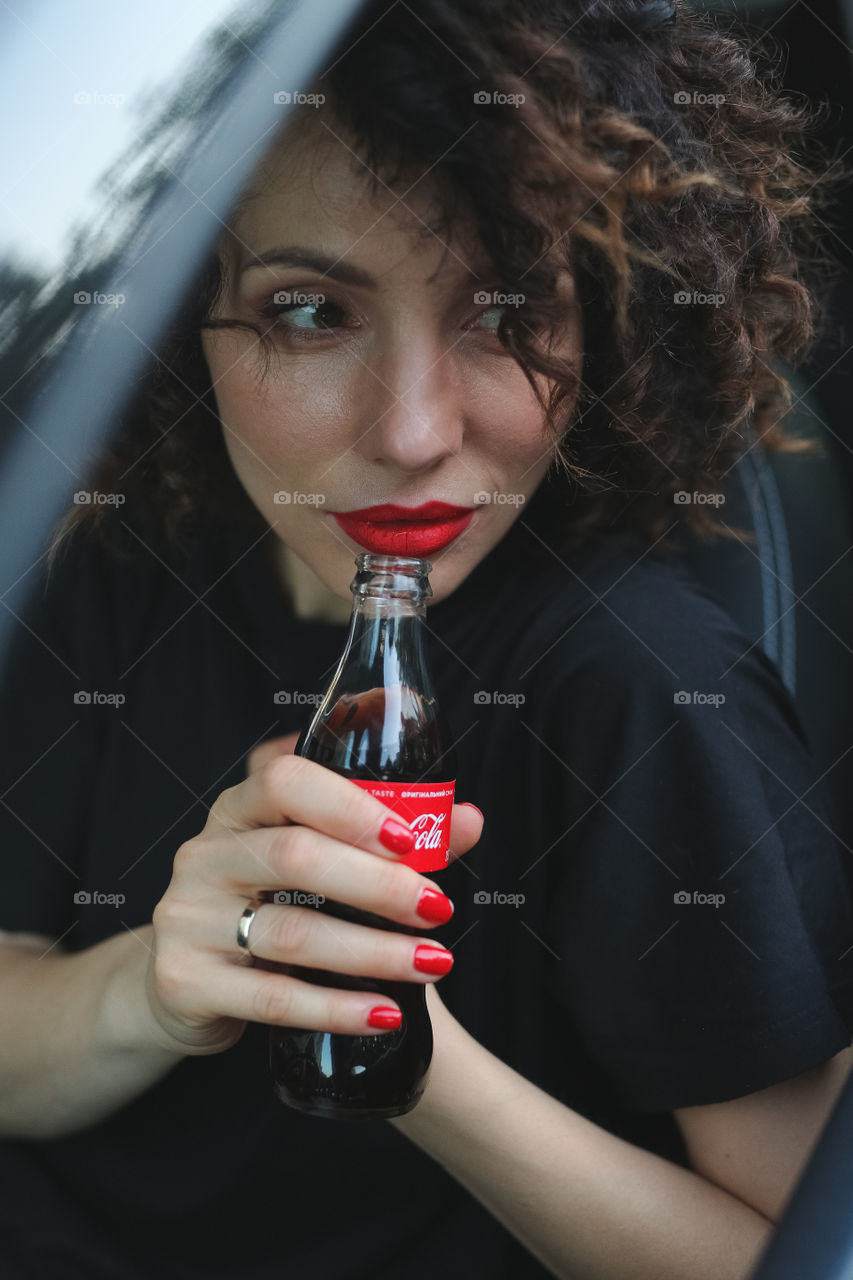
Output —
(53, 148)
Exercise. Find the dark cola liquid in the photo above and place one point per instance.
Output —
(364, 1076)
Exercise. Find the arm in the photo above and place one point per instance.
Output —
(82, 1034)
(757, 1146)
(589, 1205)
(77, 1038)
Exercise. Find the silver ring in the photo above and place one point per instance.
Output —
(243, 927)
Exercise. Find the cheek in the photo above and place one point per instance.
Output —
(509, 419)
(519, 432)
(283, 408)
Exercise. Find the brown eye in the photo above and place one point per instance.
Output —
(303, 319)
(305, 315)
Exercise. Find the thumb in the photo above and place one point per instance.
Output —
(266, 751)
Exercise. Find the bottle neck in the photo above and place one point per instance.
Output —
(379, 718)
(387, 643)
(386, 628)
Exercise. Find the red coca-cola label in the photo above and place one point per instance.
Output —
(426, 807)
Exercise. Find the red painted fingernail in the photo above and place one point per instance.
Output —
(396, 836)
(474, 807)
(433, 959)
(384, 1017)
(434, 906)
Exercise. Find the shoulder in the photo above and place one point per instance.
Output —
(632, 644)
(109, 588)
(617, 607)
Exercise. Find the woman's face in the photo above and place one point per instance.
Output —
(394, 390)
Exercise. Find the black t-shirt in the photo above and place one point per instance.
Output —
(621, 799)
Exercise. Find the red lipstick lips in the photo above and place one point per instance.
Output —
(411, 531)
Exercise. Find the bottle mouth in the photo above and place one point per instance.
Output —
(374, 562)
(403, 578)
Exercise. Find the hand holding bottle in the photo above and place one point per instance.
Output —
(333, 973)
(291, 822)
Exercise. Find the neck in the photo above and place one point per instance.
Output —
(311, 598)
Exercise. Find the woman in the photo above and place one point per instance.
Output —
(643, 1025)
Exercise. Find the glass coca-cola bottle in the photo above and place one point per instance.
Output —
(380, 725)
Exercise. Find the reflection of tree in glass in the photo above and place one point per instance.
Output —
(37, 312)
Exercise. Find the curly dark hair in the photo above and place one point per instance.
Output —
(671, 170)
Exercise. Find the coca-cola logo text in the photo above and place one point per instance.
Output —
(426, 807)
(427, 828)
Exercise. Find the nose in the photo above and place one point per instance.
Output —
(411, 415)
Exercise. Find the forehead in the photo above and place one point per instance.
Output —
(313, 187)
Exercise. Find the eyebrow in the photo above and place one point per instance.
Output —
(297, 256)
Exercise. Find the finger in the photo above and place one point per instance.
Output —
(315, 940)
(258, 995)
(289, 789)
(466, 826)
(286, 860)
(466, 823)
(265, 751)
